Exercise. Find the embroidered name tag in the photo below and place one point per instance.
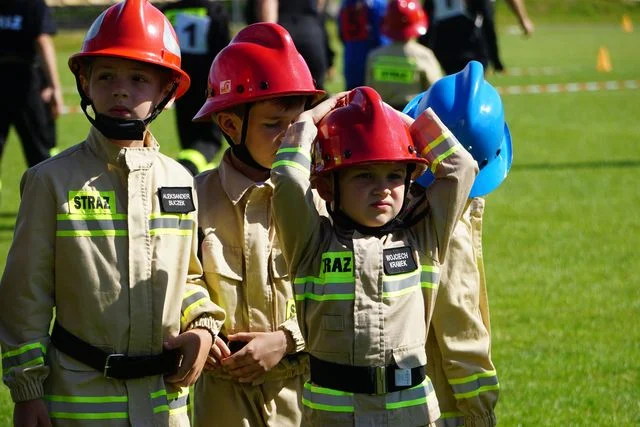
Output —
(176, 199)
(398, 260)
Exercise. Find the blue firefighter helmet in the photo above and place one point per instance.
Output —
(472, 109)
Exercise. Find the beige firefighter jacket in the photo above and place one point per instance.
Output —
(351, 311)
(401, 70)
(243, 263)
(93, 241)
(459, 343)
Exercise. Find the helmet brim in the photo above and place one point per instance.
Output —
(492, 175)
(215, 105)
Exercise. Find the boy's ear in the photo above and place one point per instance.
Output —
(230, 124)
(324, 185)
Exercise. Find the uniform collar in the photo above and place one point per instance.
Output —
(131, 158)
(234, 183)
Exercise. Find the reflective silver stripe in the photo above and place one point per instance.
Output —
(418, 395)
(401, 284)
(315, 288)
(75, 225)
(23, 357)
(450, 419)
(171, 402)
(87, 407)
(326, 399)
(473, 385)
(296, 157)
(429, 276)
(171, 223)
(191, 300)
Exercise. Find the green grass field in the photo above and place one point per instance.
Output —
(561, 235)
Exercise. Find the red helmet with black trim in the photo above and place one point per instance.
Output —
(363, 129)
(261, 62)
(136, 30)
(404, 19)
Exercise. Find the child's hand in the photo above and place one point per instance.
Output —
(319, 111)
(218, 351)
(31, 413)
(263, 351)
(194, 345)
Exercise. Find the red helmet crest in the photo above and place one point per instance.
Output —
(136, 30)
(404, 19)
(261, 62)
(363, 129)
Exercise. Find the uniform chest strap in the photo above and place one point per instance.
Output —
(115, 365)
(364, 379)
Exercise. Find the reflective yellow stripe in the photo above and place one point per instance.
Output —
(433, 144)
(292, 164)
(443, 156)
(24, 349)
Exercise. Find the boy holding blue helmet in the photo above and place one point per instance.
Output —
(459, 352)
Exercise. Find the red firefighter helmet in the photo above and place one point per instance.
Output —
(404, 19)
(261, 62)
(136, 30)
(363, 129)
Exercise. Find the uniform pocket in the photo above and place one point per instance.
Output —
(224, 261)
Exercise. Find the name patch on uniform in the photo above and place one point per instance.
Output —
(92, 202)
(176, 199)
(398, 260)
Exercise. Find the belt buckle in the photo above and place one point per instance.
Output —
(107, 363)
(381, 379)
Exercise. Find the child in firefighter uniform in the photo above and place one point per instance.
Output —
(459, 342)
(107, 235)
(401, 70)
(258, 85)
(366, 278)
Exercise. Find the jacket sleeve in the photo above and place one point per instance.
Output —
(26, 291)
(461, 327)
(298, 220)
(198, 311)
(296, 216)
(454, 170)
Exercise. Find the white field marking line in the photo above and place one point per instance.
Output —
(569, 87)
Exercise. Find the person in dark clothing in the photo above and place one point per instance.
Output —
(455, 34)
(32, 97)
(202, 27)
(302, 21)
(489, 29)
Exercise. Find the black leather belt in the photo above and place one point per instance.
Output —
(115, 365)
(364, 379)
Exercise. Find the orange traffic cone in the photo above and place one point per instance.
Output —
(627, 26)
(603, 63)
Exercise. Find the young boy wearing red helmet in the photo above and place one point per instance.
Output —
(402, 69)
(258, 85)
(365, 279)
(113, 228)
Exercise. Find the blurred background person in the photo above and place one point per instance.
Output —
(456, 35)
(202, 27)
(359, 23)
(302, 20)
(401, 70)
(489, 29)
(32, 95)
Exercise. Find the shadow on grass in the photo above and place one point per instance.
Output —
(8, 215)
(580, 165)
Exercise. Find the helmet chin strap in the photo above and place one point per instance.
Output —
(121, 129)
(240, 150)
